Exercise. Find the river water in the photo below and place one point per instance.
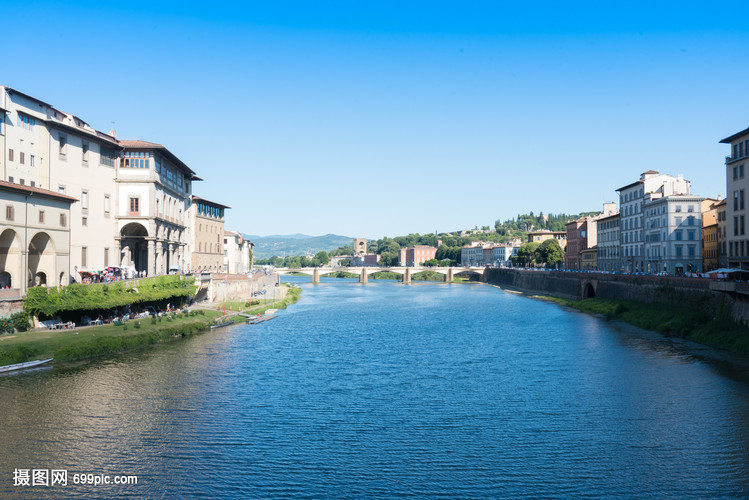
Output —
(382, 390)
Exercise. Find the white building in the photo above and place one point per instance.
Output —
(672, 234)
(44, 147)
(502, 255)
(737, 185)
(237, 251)
(34, 237)
(154, 194)
(472, 255)
(631, 201)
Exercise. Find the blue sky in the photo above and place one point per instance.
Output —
(390, 118)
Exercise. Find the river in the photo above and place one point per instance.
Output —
(383, 390)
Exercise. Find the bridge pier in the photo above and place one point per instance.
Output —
(315, 275)
(449, 275)
(406, 276)
(363, 278)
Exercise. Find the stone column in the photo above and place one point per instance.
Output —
(363, 278)
(316, 276)
(449, 277)
(151, 256)
(170, 258)
(406, 276)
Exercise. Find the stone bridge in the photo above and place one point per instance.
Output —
(406, 272)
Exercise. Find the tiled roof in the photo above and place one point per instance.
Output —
(35, 190)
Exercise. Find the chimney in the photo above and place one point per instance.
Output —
(113, 133)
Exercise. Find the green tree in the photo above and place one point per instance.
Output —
(549, 253)
(321, 258)
(526, 255)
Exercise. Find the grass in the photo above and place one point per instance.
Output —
(675, 320)
(41, 344)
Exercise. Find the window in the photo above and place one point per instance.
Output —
(134, 206)
(735, 200)
(84, 256)
(106, 156)
(741, 200)
(741, 226)
(106, 257)
(678, 235)
(31, 160)
(690, 208)
(106, 203)
(63, 220)
(678, 220)
(21, 157)
(63, 144)
(691, 250)
(690, 235)
(84, 151)
(10, 178)
(84, 200)
(679, 251)
(22, 182)
(41, 216)
(735, 172)
(26, 122)
(10, 155)
(9, 212)
(61, 189)
(741, 170)
(84, 221)
(678, 208)
(735, 225)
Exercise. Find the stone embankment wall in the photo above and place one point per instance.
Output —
(234, 287)
(693, 292)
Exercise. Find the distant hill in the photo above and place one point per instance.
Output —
(295, 244)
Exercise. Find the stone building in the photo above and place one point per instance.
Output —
(608, 243)
(737, 185)
(415, 256)
(34, 237)
(206, 227)
(631, 202)
(672, 233)
(154, 188)
(44, 147)
(237, 253)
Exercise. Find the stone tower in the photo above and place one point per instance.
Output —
(360, 246)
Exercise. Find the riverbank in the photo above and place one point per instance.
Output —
(673, 320)
(108, 340)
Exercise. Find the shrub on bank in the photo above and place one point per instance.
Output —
(105, 346)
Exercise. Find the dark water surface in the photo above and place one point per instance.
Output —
(385, 390)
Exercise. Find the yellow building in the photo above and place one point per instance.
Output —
(207, 242)
(589, 258)
(543, 235)
(710, 234)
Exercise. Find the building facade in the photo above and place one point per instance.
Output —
(737, 186)
(709, 234)
(206, 248)
(608, 243)
(631, 202)
(153, 197)
(34, 237)
(720, 209)
(415, 256)
(44, 147)
(672, 234)
(543, 235)
(237, 252)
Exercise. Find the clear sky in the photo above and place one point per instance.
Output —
(386, 118)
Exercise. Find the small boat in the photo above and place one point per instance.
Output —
(21, 366)
(222, 324)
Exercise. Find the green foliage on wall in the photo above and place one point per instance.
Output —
(50, 301)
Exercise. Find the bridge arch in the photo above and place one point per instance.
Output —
(588, 289)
